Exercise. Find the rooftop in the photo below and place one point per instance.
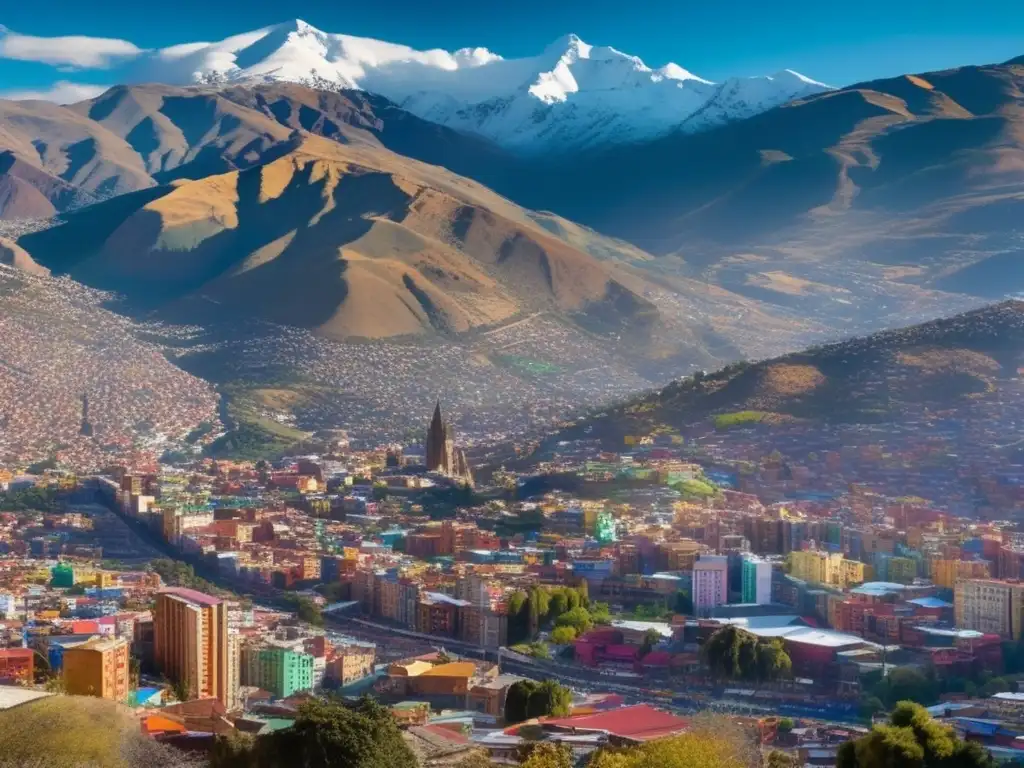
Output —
(665, 630)
(641, 722)
(930, 602)
(453, 669)
(192, 596)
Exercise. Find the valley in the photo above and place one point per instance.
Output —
(338, 261)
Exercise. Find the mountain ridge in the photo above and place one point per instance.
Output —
(571, 95)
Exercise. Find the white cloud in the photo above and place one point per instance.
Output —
(73, 51)
(62, 92)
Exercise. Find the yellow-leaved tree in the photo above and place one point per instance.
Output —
(711, 742)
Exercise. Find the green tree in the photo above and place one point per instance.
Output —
(912, 738)
(578, 618)
(773, 663)
(182, 690)
(563, 635)
(996, 685)
(600, 613)
(559, 603)
(583, 590)
(651, 638)
(550, 699)
(517, 697)
(785, 724)
(736, 654)
(527, 699)
(870, 706)
(906, 684)
(518, 618)
(328, 734)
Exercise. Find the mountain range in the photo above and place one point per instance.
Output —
(569, 96)
(359, 191)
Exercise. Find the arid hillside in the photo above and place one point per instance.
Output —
(901, 379)
(347, 240)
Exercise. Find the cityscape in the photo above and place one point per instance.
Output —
(431, 386)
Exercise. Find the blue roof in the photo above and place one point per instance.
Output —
(930, 602)
(879, 587)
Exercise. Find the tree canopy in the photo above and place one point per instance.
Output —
(915, 740)
(326, 734)
(527, 699)
(736, 654)
(712, 742)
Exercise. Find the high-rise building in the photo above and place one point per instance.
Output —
(98, 667)
(710, 583)
(280, 671)
(756, 581)
(830, 568)
(945, 572)
(990, 606)
(190, 643)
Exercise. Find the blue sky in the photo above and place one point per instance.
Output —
(835, 42)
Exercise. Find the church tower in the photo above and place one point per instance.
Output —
(440, 448)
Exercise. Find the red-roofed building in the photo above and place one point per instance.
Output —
(635, 724)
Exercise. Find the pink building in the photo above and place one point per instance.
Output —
(710, 583)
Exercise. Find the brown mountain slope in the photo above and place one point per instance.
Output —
(64, 157)
(942, 372)
(131, 137)
(349, 240)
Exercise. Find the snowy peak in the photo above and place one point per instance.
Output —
(571, 95)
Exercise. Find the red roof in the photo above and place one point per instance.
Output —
(640, 723)
(192, 595)
(657, 659)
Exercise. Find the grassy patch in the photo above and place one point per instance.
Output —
(253, 435)
(74, 731)
(736, 419)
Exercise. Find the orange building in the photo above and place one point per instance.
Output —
(190, 643)
(98, 667)
(17, 665)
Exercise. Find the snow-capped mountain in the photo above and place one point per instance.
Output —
(571, 95)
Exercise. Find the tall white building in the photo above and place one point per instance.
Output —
(710, 583)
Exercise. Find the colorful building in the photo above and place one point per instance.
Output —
(710, 583)
(280, 671)
(190, 643)
(756, 580)
(990, 606)
(99, 668)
